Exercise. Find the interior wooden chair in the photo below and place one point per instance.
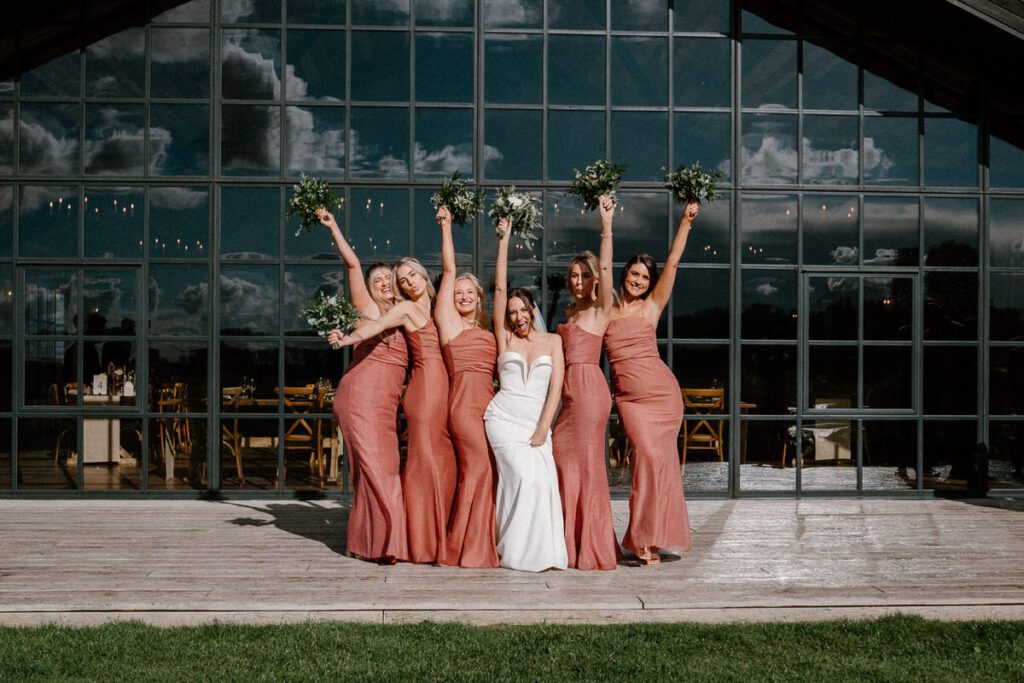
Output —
(65, 441)
(826, 433)
(229, 436)
(706, 433)
(301, 434)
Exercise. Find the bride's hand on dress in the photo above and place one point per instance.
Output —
(539, 437)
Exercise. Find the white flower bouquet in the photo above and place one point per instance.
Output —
(463, 202)
(522, 209)
(311, 194)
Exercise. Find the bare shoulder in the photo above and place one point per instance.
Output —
(551, 341)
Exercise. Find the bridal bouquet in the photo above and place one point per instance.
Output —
(463, 202)
(331, 312)
(311, 194)
(601, 177)
(693, 184)
(522, 209)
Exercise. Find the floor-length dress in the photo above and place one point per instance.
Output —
(579, 446)
(376, 522)
(528, 511)
(430, 468)
(650, 405)
(470, 358)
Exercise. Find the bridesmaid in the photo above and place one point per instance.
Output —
(579, 436)
(428, 482)
(376, 522)
(469, 352)
(650, 403)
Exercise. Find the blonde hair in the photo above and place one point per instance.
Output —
(417, 267)
(588, 261)
(383, 304)
(482, 320)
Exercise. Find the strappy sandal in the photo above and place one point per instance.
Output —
(648, 555)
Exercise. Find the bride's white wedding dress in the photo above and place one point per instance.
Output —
(528, 510)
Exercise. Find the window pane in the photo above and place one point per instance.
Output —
(639, 67)
(116, 65)
(1007, 306)
(1006, 227)
(768, 225)
(568, 230)
(51, 302)
(181, 363)
(316, 141)
(444, 142)
(881, 94)
(890, 455)
(179, 62)
(830, 153)
(828, 455)
(316, 242)
(768, 155)
(702, 67)
(769, 304)
(444, 12)
(427, 243)
(1006, 163)
(179, 139)
(702, 366)
(6, 220)
(380, 66)
(832, 304)
(888, 302)
(703, 437)
(179, 217)
(374, 12)
(950, 380)
(444, 67)
(768, 379)
(704, 138)
(113, 223)
(1006, 377)
(948, 450)
(250, 222)
(6, 140)
(640, 142)
(114, 139)
(513, 13)
(830, 77)
(512, 69)
(60, 77)
(830, 230)
(700, 304)
(890, 151)
(379, 225)
(639, 15)
(316, 11)
(512, 144)
(109, 298)
(49, 366)
(1005, 465)
(48, 221)
(576, 14)
(178, 299)
(195, 11)
(251, 64)
(769, 74)
(302, 285)
(248, 301)
(640, 227)
(6, 304)
(251, 366)
(752, 22)
(5, 454)
(832, 377)
(49, 138)
(316, 61)
(950, 232)
(891, 231)
(250, 140)
(250, 11)
(248, 452)
(567, 82)
(710, 244)
(765, 447)
(178, 454)
(380, 142)
(702, 16)
(575, 140)
(887, 377)
(950, 306)
(950, 153)
(41, 441)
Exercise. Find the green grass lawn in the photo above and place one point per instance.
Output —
(890, 649)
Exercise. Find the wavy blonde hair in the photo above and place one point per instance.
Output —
(482, 319)
(417, 267)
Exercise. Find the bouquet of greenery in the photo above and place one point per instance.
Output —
(693, 184)
(463, 202)
(331, 312)
(522, 209)
(601, 177)
(311, 194)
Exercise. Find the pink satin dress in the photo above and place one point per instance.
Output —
(579, 445)
(470, 358)
(650, 405)
(430, 467)
(376, 522)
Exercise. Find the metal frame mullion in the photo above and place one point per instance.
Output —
(735, 259)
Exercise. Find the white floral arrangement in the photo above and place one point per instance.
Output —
(522, 209)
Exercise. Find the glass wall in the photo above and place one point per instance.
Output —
(846, 318)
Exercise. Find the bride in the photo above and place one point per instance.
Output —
(518, 421)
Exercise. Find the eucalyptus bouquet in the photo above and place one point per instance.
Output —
(693, 184)
(331, 312)
(522, 209)
(311, 194)
(601, 177)
(463, 202)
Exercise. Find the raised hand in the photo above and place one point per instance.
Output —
(338, 339)
(443, 216)
(504, 228)
(607, 209)
(692, 209)
(326, 218)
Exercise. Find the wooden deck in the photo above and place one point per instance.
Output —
(186, 562)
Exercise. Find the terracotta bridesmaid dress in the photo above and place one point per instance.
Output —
(430, 468)
(376, 522)
(651, 408)
(470, 358)
(578, 439)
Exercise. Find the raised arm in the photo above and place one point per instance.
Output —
(444, 306)
(605, 285)
(663, 290)
(501, 283)
(397, 316)
(357, 290)
(551, 402)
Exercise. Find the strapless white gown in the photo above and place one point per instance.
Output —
(528, 509)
